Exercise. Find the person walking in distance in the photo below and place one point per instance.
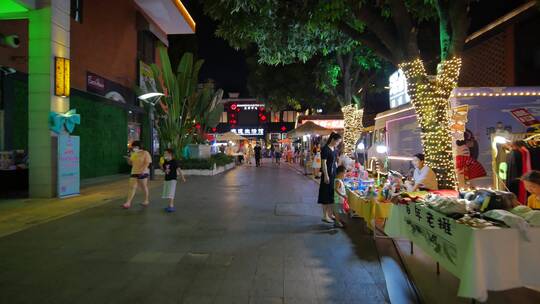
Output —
(139, 160)
(257, 151)
(329, 168)
(171, 169)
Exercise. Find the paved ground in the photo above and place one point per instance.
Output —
(252, 235)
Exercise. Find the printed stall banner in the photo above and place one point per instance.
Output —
(482, 259)
(68, 165)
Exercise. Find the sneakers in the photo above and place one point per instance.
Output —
(327, 220)
(339, 224)
(170, 209)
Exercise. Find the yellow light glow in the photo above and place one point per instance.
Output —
(185, 13)
(62, 77)
(430, 101)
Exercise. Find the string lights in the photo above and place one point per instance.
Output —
(352, 120)
(430, 101)
(485, 94)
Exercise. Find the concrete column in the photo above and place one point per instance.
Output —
(49, 36)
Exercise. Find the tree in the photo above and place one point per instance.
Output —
(287, 86)
(187, 109)
(344, 74)
(390, 29)
(286, 31)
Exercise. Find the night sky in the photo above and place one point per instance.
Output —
(226, 66)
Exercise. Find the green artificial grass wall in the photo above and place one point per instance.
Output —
(103, 134)
(20, 111)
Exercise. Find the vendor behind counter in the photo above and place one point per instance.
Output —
(424, 177)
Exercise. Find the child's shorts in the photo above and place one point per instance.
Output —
(338, 208)
(169, 189)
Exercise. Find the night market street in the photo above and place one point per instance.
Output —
(253, 235)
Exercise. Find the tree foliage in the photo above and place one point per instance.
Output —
(344, 75)
(287, 86)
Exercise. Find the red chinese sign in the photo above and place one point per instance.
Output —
(525, 117)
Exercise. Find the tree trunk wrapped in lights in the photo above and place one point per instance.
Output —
(430, 101)
(352, 119)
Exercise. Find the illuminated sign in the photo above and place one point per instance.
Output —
(398, 89)
(61, 74)
(252, 132)
(253, 106)
(331, 124)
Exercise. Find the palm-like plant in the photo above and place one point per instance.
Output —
(187, 109)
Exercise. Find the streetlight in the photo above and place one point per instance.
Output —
(152, 99)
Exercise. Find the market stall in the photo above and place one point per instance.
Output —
(308, 131)
(366, 197)
(482, 239)
(231, 140)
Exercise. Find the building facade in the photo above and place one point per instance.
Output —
(250, 118)
(109, 46)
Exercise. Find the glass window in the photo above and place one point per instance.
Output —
(289, 116)
(76, 10)
(146, 47)
(223, 118)
(276, 117)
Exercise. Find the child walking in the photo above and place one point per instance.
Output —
(171, 169)
(339, 197)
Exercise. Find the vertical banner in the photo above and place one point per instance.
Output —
(68, 165)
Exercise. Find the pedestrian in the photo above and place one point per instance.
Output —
(250, 153)
(328, 164)
(316, 165)
(139, 160)
(257, 151)
(340, 195)
(272, 151)
(171, 169)
(278, 153)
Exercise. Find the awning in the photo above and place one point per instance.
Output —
(171, 16)
(308, 128)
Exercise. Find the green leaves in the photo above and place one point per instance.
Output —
(185, 105)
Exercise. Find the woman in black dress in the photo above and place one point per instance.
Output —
(328, 169)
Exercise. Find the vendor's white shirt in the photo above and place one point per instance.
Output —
(426, 178)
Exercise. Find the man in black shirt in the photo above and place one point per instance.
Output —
(257, 150)
(171, 169)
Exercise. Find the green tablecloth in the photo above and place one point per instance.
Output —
(483, 259)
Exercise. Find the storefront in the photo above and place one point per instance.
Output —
(61, 70)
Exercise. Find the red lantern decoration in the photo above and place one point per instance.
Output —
(283, 128)
(214, 130)
(263, 117)
(234, 106)
(198, 126)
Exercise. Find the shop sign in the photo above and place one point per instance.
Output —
(256, 132)
(434, 232)
(68, 165)
(525, 117)
(331, 124)
(146, 78)
(254, 106)
(106, 88)
(95, 83)
(398, 89)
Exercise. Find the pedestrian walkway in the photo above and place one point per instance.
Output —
(19, 214)
(251, 235)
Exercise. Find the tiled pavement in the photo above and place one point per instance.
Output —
(252, 235)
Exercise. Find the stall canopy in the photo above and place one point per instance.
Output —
(308, 128)
(229, 136)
